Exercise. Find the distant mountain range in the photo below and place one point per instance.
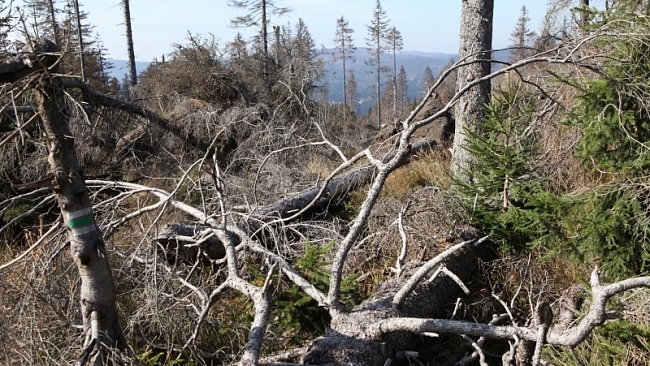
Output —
(414, 63)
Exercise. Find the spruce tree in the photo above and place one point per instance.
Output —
(344, 50)
(259, 15)
(376, 40)
(521, 37)
(395, 44)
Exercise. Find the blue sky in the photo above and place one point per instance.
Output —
(426, 25)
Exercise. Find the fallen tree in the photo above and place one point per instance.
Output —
(382, 328)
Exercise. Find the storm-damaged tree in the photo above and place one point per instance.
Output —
(381, 330)
(103, 332)
(43, 22)
(133, 73)
(344, 49)
(80, 39)
(376, 40)
(521, 37)
(395, 44)
(259, 13)
(351, 87)
(402, 92)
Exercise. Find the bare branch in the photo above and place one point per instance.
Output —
(429, 267)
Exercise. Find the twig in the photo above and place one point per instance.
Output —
(38, 242)
(477, 348)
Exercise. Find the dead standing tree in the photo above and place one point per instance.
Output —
(391, 317)
(37, 63)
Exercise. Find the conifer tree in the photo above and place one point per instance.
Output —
(80, 39)
(396, 44)
(43, 19)
(402, 91)
(429, 79)
(5, 19)
(259, 13)
(351, 88)
(521, 37)
(475, 44)
(344, 48)
(305, 68)
(133, 73)
(376, 40)
(608, 223)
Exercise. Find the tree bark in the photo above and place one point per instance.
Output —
(98, 308)
(133, 74)
(475, 44)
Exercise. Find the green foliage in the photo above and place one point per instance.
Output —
(608, 223)
(614, 119)
(503, 193)
(295, 314)
(510, 200)
(153, 358)
(16, 210)
(613, 228)
(618, 342)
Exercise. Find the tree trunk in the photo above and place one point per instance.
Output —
(475, 43)
(584, 19)
(378, 89)
(265, 63)
(99, 312)
(80, 39)
(133, 74)
(55, 27)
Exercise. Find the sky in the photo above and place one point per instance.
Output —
(426, 25)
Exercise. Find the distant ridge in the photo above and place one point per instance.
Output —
(121, 68)
(414, 63)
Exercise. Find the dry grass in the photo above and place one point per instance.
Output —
(430, 168)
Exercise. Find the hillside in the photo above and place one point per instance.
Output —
(224, 212)
(414, 62)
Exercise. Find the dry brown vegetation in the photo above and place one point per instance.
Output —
(266, 145)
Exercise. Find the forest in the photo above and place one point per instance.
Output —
(218, 208)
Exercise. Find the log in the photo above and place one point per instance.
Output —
(174, 244)
(174, 235)
(349, 340)
(37, 55)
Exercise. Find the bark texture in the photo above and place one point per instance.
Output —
(133, 74)
(99, 311)
(475, 44)
(86, 243)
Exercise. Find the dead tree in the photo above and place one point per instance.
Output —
(133, 74)
(103, 332)
(374, 332)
